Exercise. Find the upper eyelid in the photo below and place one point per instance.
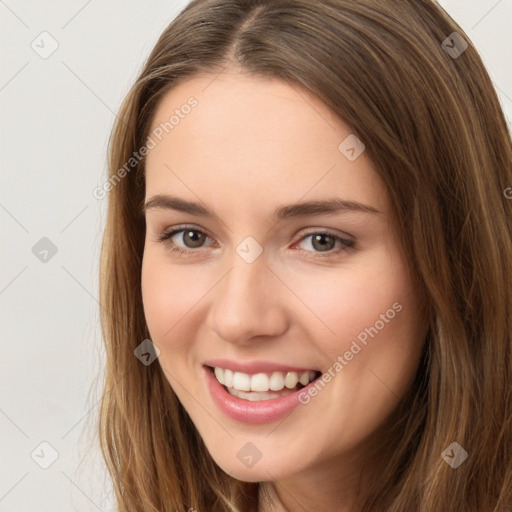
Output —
(179, 229)
(169, 233)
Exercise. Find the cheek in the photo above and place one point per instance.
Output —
(169, 292)
(352, 298)
(369, 315)
(171, 297)
(375, 328)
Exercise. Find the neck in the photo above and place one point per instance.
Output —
(305, 493)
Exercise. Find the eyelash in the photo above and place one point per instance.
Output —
(346, 244)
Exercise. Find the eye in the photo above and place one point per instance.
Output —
(193, 238)
(324, 242)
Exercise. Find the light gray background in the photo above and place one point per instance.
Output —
(56, 115)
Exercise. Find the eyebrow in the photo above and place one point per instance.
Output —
(302, 209)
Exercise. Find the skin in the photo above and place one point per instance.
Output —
(250, 145)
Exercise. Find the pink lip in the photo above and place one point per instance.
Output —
(253, 367)
(255, 413)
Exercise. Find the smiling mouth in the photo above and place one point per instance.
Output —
(263, 386)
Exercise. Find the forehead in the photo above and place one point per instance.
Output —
(249, 108)
(262, 137)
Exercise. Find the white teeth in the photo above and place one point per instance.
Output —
(242, 381)
(291, 379)
(259, 382)
(262, 382)
(228, 378)
(219, 374)
(253, 396)
(276, 381)
(304, 378)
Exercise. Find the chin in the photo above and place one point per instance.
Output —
(262, 470)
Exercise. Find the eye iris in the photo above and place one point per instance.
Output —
(196, 236)
(322, 237)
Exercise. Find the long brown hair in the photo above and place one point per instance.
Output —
(432, 124)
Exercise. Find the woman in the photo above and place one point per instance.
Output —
(307, 265)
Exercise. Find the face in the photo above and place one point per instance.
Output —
(236, 278)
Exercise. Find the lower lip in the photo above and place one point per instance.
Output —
(254, 413)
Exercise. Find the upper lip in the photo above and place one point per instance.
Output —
(252, 367)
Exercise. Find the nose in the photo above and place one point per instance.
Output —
(248, 303)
